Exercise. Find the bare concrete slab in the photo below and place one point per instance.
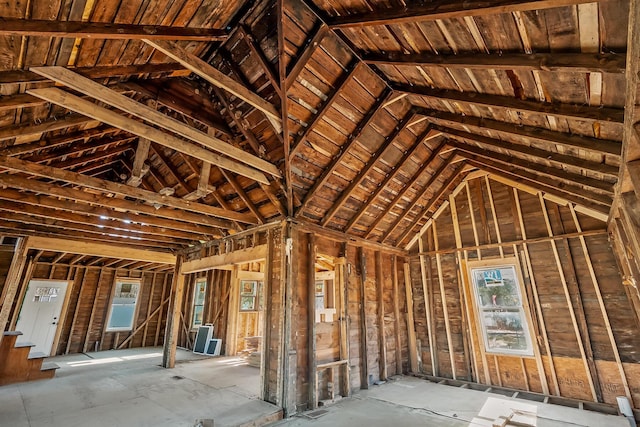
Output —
(129, 388)
(408, 401)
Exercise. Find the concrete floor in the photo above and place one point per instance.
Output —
(409, 401)
(128, 388)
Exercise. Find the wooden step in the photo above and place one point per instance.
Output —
(47, 371)
(8, 341)
(35, 360)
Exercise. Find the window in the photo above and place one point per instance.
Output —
(325, 300)
(248, 295)
(503, 319)
(123, 305)
(198, 302)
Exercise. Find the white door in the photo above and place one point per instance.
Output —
(40, 313)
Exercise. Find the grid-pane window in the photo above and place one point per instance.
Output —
(123, 305)
(198, 302)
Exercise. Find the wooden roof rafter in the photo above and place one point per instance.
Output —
(346, 193)
(217, 78)
(435, 175)
(432, 11)
(106, 30)
(564, 62)
(428, 134)
(569, 192)
(568, 140)
(545, 156)
(150, 115)
(456, 176)
(345, 148)
(342, 81)
(424, 167)
(568, 111)
(121, 189)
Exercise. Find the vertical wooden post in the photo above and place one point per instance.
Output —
(341, 281)
(76, 309)
(232, 314)
(381, 334)
(443, 298)
(426, 282)
(149, 304)
(312, 361)
(563, 281)
(396, 314)
(364, 369)
(265, 354)
(159, 324)
(464, 309)
(289, 354)
(24, 284)
(173, 317)
(603, 309)
(493, 214)
(534, 288)
(87, 335)
(411, 326)
(469, 293)
(12, 280)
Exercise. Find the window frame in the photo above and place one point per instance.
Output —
(516, 312)
(120, 281)
(198, 281)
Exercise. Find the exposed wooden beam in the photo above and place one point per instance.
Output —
(106, 30)
(598, 145)
(339, 85)
(99, 250)
(49, 125)
(572, 193)
(561, 160)
(260, 56)
(137, 171)
(346, 193)
(20, 100)
(88, 108)
(600, 186)
(557, 61)
(68, 138)
(76, 150)
(172, 171)
(111, 97)
(567, 111)
(243, 195)
(121, 189)
(407, 210)
(344, 149)
(306, 52)
(99, 155)
(416, 176)
(171, 69)
(81, 222)
(420, 140)
(215, 77)
(215, 261)
(58, 226)
(432, 11)
(203, 184)
(446, 186)
(102, 212)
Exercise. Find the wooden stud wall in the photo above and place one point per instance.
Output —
(583, 320)
(84, 326)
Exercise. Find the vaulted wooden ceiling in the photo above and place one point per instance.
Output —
(160, 124)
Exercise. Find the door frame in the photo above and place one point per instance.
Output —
(63, 309)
